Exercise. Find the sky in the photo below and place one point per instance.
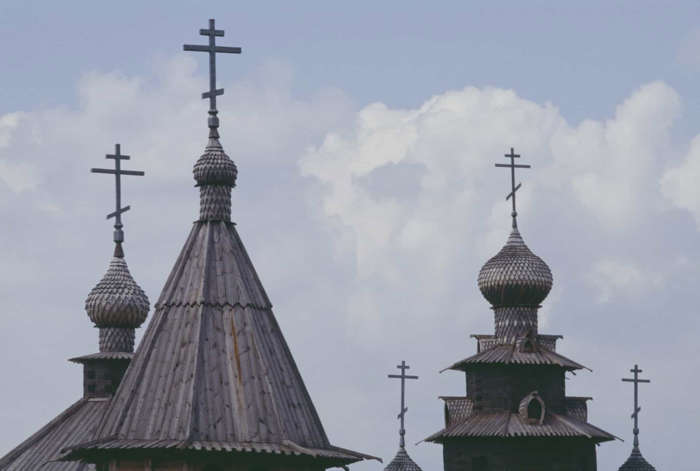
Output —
(365, 136)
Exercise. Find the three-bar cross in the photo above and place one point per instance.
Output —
(212, 49)
(635, 415)
(403, 377)
(513, 187)
(118, 172)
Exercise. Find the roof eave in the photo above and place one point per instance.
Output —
(92, 450)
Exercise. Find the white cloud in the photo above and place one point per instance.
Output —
(680, 184)
(15, 174)
(609, 165)
(451, 201)
(617, 278)
(8, 123)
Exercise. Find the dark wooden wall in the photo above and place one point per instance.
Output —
(527, 454)
(503, 387)
(101, 377)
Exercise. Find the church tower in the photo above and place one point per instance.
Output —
(117, 306)
(213, 385)
(516, 415)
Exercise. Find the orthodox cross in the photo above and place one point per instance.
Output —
(403, 377)
(635, 415)
(513, 187)
(118, 172)
(212, 49)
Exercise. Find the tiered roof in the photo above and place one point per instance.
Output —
(515, 282)
(510, 354)
(463, 421)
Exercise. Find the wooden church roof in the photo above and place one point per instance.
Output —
(213, 370)
(462, 420)
(510, 354)
(40, 451)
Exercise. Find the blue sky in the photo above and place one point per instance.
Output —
(365, 136)
(583, 58)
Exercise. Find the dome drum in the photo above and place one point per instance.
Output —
(512, 323)
(117, 339)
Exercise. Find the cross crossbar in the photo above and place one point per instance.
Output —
(115, 213)
(514, 166)
(209, 32)
(403, 376)
(118, 156)
(224, 49)
(217, 92)
(212, 49)
(118, 172)
(512, 193)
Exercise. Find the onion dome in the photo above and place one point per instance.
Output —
(402, 462)
(214, 167)
(636, 462)
(515, 276)
(117, 301)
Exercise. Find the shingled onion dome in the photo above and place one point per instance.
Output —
(117, 305)
(515, 276)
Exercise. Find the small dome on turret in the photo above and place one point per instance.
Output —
(402, 462)
(515, 276)
(214, 167)
(117, 301)
(636, 462)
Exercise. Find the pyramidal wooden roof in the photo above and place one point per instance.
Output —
(213, 371)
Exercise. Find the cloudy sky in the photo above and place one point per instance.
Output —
(365, 137)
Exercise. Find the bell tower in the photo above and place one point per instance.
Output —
(515, 415)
